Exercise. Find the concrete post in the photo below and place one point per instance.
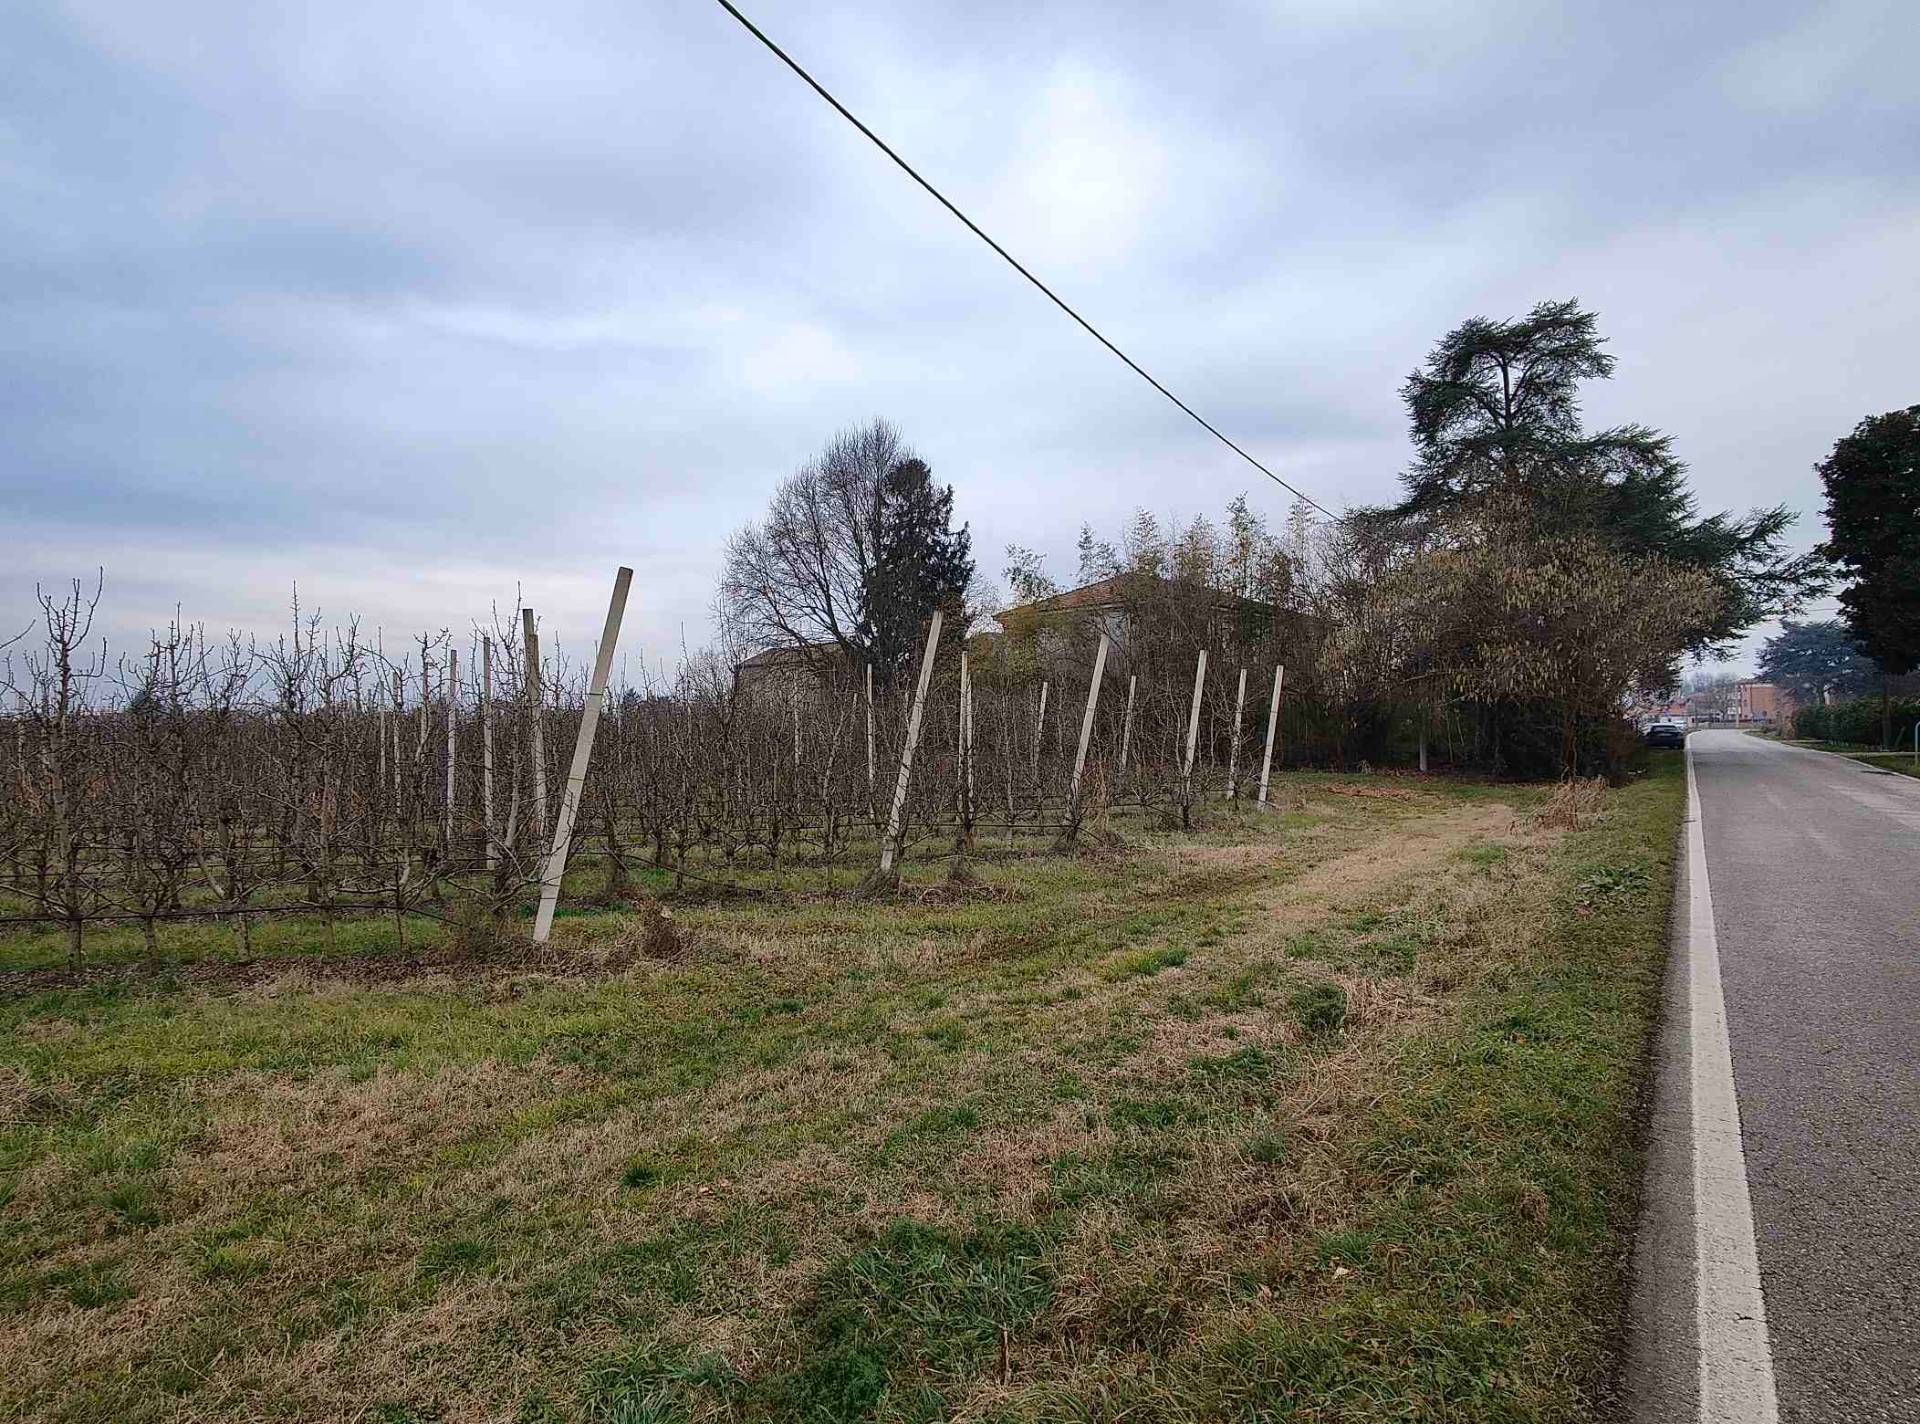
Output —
(1273, 725)
(582, 753)
(1086, 725)
(890, 847)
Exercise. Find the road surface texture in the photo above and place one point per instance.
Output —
(1809, 931)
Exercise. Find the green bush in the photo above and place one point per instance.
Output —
(1857, 721)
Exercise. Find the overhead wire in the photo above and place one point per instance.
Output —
(1011, 260)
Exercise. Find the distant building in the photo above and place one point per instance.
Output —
(1116, 605)
(1762, 702)
(783, 670)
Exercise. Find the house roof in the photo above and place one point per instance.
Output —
(1109, 592)
(791, 657)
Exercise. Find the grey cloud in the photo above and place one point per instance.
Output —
(416, 303)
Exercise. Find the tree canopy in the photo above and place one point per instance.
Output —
(1495, 420)
(856, 551)
(1872, 480)
(1812, 659)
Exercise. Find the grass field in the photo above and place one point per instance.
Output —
(1896, 761)
(1901, 762)
(1323, 1115)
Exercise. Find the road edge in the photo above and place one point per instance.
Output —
(1736, 1383)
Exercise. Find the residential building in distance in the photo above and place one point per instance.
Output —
(1763, 702)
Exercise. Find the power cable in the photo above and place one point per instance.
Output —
(1011, 261)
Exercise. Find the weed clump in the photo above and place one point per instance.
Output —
(1320, 1008)
(641, 1174)
(1269, 1149)
(656, 936)
(478, 928)
(1573, 798)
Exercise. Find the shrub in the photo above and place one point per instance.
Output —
(1857, 722)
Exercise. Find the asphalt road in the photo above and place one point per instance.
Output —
(1814, 867)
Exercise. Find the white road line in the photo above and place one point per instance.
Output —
(1736, 1360)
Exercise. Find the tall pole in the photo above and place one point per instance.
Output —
(582, 753)
(453, 734)
(890, 847)
(1233, 753)
(870, 766)
(399, 716)
(486, 748)
(964, 748)
(537, 750)
(1193, 723)
(1086, 723)
(1273, 725)
(1039, 727)
(426, 711)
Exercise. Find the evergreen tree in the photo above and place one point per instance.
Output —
(921, 563)
(856, 551)
(1495, 417)
(1812, 659)
(1872, 480)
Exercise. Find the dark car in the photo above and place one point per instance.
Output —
(1667, 734)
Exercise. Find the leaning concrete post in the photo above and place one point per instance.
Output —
(890, 847)
(1086, 726)
(1273, 725)
(1193, 725)
(1233, 752)
(582, 752)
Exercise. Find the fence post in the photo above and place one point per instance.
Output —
(1193, 727)
(1233, 753)
(486, 748)
(537, 752)
(964, 749)
(1086, 726)
(1039, 730)
(582, 752)
(1273, 725)
(399, 717)
(453, 734)
(890, 847)
(1126, 725)
(426, 712)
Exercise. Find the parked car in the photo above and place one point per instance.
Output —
(1667, 732)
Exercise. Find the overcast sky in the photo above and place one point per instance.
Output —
(417, 304)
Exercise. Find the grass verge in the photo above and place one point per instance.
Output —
(1325, 1115)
